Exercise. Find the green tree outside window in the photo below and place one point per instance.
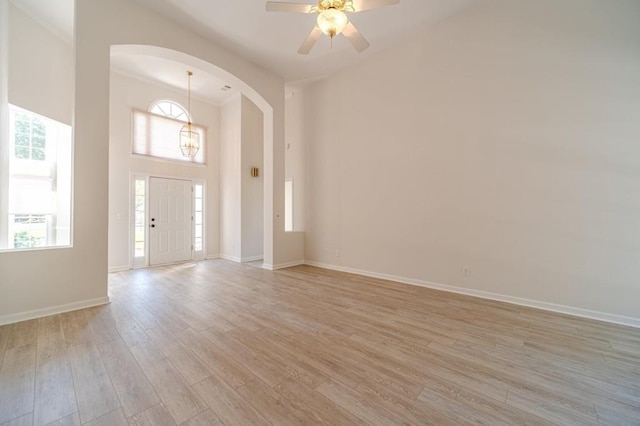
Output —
(30, 138)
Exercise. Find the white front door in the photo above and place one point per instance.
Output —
(170, 221)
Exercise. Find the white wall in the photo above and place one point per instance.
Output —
(504, 138)
(41, 71)
(75, 277)
(126, 94)
(230, 180)
(294, 154)
(252, 208)
(35, 283)
(242, 199)
(4, 118)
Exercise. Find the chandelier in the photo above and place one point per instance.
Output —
(189, 139)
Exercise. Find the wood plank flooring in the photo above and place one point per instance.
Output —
(223, 343)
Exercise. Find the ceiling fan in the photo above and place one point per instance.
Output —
(332, 19)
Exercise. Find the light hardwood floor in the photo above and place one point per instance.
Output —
(223, 343)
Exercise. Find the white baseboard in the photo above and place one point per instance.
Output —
(283, 265)
(45, 312)
(252, 258)
(213, 257)
(569, 310)
(231, 258)
(118, 268)
(240, 259)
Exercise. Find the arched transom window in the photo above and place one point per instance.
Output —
(170, 109)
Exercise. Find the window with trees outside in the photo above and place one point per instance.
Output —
(38, 211)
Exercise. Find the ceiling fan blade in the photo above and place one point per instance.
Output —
(279, 6)
(362, 5)
(314, 35)
(354, 36)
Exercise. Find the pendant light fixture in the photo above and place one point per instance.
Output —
(189, 139)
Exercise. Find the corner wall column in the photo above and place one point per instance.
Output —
(4, 123)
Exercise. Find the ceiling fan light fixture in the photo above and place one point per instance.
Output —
(332, 21)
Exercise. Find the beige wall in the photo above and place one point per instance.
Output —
(35, 283)
(127, 94)
(252, 208)
(230, 179)
(242, 203)
(504, 139)
(41, 72)
(294, 139)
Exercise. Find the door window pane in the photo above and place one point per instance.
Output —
(140, 219)
(198, 226)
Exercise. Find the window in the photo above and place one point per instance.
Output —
(288, 205)
(170, 109)
(139, 217)
(157, 133)
(38, 213)
(30, 137)
(30, 230)
(198, 212)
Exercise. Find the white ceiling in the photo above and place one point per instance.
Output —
(56, 15)
(272, 39)
(173, 75)
(269, 39)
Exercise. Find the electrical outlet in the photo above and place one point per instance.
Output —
(337, 254)
(466, 270)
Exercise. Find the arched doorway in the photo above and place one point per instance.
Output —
(122, 168)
